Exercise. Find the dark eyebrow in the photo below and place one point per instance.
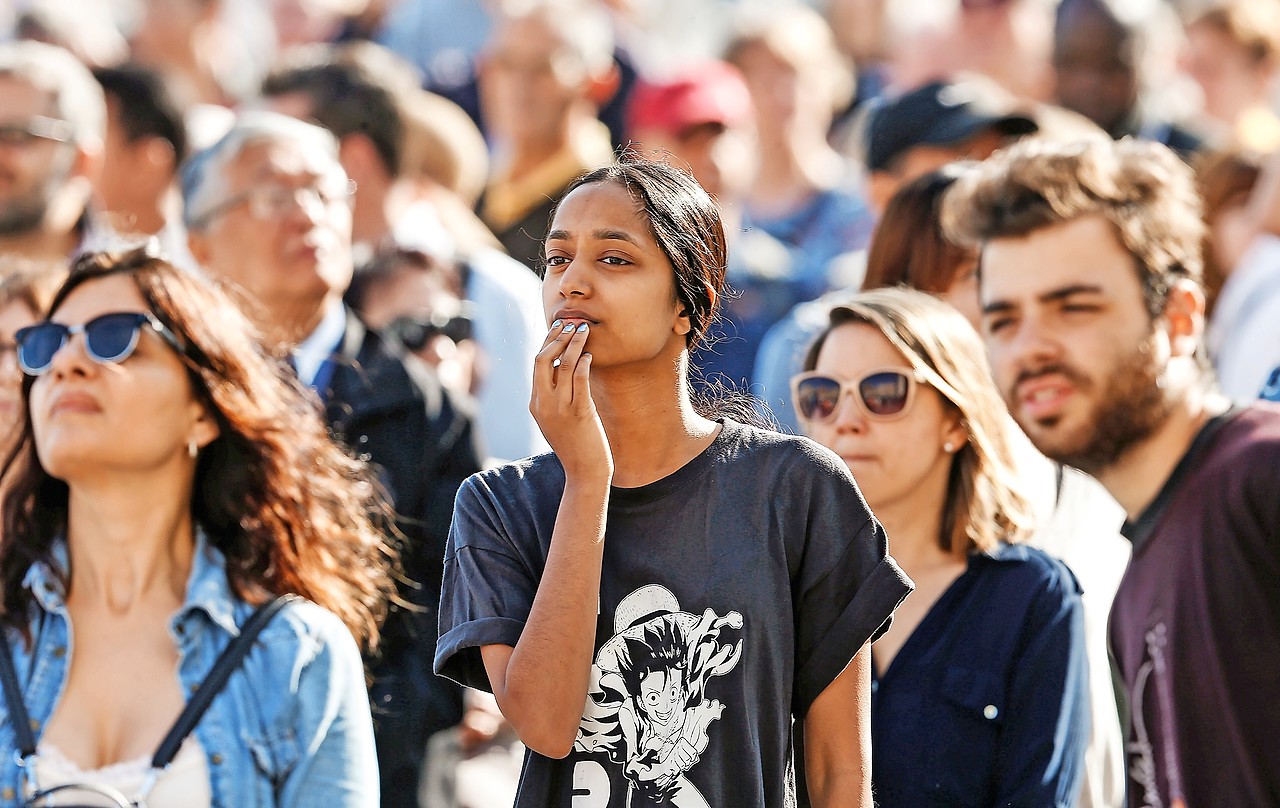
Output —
(1068, 291)
(603, 235)
(1052, 296)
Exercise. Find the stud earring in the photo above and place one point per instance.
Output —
(192, 449)
(948, 447)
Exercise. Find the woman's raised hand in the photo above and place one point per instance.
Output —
(561, 402)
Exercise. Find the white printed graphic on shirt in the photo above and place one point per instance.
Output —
(647, 706)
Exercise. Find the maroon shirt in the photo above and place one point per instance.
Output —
(1195, 628)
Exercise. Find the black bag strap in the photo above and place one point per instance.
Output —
(13, 695)
(226, 664)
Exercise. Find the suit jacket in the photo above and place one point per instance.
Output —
(390, 409)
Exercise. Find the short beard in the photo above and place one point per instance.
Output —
(1134, 404)
(23, 216)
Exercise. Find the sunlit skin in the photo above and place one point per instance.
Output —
(289, 263)
(604, 268)
(1054, 335)
(1072, 347)
(118, 435)
(1230, 79)
(872, 448)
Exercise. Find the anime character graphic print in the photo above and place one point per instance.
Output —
(648, 707)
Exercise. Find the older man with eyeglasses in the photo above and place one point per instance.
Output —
(268, 208)
(52, 122)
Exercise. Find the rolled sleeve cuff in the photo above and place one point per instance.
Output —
(866, 617)
(458, 651)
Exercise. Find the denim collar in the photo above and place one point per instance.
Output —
(208, 590)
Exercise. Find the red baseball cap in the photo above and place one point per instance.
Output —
(706, 92)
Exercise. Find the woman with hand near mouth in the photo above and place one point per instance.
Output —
(980, 694)
(661, 554)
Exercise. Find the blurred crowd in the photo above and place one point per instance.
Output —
(374, 179)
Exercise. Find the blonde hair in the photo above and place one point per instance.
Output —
(985, 502)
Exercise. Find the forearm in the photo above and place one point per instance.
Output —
(838, 739)
(547, 674)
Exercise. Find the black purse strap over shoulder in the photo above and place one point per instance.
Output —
(226, 664)
(18, 716)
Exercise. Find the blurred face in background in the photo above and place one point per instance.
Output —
(1094, 64)
(282, 230)
(1230, 78)
(529, 80)
(13, 315)
(36, 157)
(423, 311)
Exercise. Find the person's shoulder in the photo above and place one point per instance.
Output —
(1026, 566)
(532, 474)
(1248, 437)
(766, 447)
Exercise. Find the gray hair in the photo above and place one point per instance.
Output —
(203, 175)
(77, 96)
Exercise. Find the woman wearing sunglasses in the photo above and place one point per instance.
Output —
(980, 694)
(168, 480)
(653, 602)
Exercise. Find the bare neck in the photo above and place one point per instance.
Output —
(1138, 475)
(131, 539)
(650, 423)
(913, 525)
(288, 323)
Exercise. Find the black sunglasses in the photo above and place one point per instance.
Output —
(883, 394)
(415, 331)
(108, 338)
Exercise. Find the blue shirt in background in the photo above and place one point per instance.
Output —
(987, 703)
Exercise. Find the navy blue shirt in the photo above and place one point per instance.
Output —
(986, 703)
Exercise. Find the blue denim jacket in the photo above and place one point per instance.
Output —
(291, 727)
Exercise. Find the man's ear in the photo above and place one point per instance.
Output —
(1184, 317)
(602, 87)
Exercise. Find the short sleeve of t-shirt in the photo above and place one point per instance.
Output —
(488, 587)
(846, 585)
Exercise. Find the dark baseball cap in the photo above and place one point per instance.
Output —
(938, 114)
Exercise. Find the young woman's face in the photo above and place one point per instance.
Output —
(892, 460)
(130, 416)
(604, 267)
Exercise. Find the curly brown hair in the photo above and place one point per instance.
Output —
(1145, 190)
(288, 508)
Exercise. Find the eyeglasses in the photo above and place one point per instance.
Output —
(272, 200)
(38, 128)
(416, 331)
(108, 338)
(883, 394)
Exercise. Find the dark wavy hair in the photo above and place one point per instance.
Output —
(288, 508)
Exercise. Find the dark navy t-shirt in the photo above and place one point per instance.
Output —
(1195, 627)
(732, 593)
